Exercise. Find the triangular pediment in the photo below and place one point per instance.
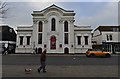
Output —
(54, 8)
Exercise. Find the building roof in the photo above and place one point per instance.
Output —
(4, 28)
(7, 33)
(107, 28)
(24, 28)
(82, 28)
(53, 7)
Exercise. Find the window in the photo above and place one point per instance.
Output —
(60, 45)
(10, 30)
(66, 38)
(115, 29)
(40, 38)
(40, 26)
(45, 45)
(53, 24)
(28, 40)
(21, 40)
(79, 40)
(117, 47)
(86, 40)
(109, 37)
(65, 26)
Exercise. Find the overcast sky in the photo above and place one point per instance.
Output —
(92, 13)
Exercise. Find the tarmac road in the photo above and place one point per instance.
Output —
(58, 60)
(60, 67)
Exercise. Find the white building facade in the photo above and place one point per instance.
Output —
(53, 29)
(108, 38)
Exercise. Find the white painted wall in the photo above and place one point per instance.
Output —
(59, 33)
(115, 37)
(47, 33)
(82, 48)
(96, 33)
(102, 37)
(23, 48)
(98, 39)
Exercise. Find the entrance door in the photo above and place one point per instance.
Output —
(66, 51)
(39, 50)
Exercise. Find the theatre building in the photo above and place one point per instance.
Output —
(53, 28)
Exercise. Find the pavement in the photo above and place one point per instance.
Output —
(61, 71)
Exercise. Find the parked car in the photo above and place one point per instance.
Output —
(97, 52)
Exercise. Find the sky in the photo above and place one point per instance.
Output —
(93, 13)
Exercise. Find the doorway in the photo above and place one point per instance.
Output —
(66, 51)
(39, 50)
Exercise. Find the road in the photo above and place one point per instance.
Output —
(60, 66)
(58, 60)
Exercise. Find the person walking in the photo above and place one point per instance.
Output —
(5, 50)
(43, 61)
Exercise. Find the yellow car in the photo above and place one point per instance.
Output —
(97, 52)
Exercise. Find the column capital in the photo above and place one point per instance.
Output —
(60, 21)
(45, 21)
(72, 21)
(35, 21)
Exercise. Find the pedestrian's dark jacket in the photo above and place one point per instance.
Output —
(43, 56)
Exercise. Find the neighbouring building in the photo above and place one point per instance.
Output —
(53, 28)
(7, 39)
(107, 38)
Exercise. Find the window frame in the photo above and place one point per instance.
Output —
(28, 40)
(39, 38)
(21, 40)
(40, 26)
(66, 26)
(86, 40)
(66, 38)
(53, 24)
(79, 40)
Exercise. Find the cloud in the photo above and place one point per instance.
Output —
(39, 5)
(106, 16)
(62, 0)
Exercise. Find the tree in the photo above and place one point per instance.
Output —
(3, 9)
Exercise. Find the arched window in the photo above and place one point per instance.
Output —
(40, 25)
(53, 23)
(65, 26)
